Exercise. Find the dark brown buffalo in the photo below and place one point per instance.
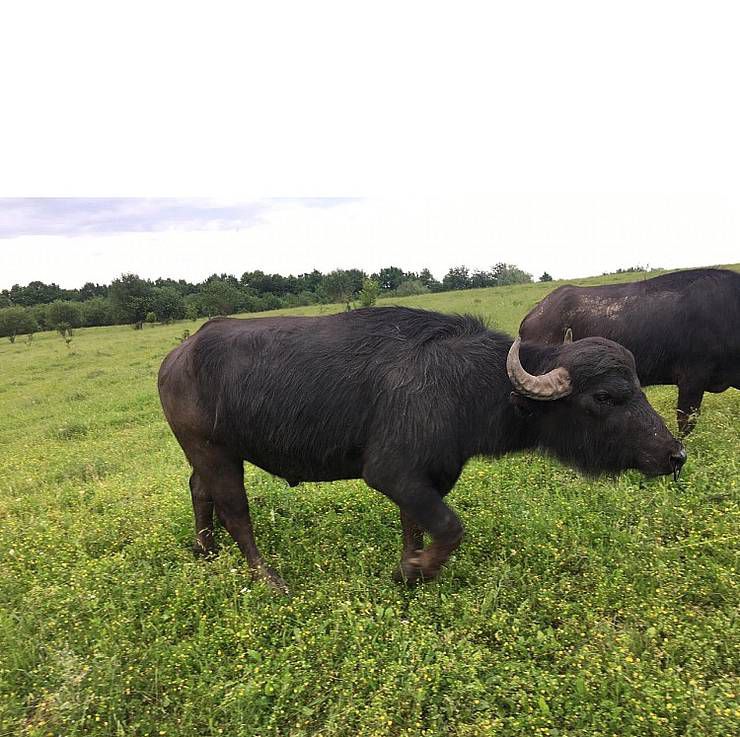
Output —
(402, 399)
(683, 328)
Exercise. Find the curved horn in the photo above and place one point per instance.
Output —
(568, 337)
(554, 384)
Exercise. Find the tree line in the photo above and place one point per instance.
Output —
(132, 300)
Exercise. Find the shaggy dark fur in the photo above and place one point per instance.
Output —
(683, 328)
(399, 397)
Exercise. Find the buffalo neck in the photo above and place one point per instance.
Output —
(494, 425)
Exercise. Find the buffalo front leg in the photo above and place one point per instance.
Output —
(203, 511)
(431, 514)
(422, 508)
(689, 403)
(413, 542)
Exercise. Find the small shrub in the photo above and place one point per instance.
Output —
(410, 288)
(369, 292)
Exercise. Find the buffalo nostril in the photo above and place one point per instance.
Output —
(678, 458)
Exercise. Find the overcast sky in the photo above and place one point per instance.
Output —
(425, 110)
(73, 240)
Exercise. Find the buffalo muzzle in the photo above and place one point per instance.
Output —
(677, 460)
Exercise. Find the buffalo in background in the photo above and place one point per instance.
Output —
(401, 398)
(683, 328)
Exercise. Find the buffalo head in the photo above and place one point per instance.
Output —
(586, 402)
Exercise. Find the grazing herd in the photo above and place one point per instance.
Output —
(402, 398)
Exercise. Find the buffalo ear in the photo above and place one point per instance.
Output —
(568, 337)
(523, 406)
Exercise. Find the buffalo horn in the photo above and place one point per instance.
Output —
(552, 385)
(568, 337)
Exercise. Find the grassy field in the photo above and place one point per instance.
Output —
(573, 607)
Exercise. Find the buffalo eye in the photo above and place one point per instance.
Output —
(604, 398)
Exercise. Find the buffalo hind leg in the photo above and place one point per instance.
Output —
(204, 544)
(413, 541)
(422, 507)
(689, 402)
(224, 478)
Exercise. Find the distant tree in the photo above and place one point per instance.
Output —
(250, 301)
(39, 315)
(505, 274)
(130, 297)
(637, 270)
(268, 302)
(293, 285)
(480, 279)
(356, 279)
(64, 316)
(97, 311)
(36, 292)
(427, 279)
(262, 283)
(167, 304)
(311, 281)
(389, 278)
(545, 277)
(229, 279)
(90, 290)
(16, 320)
(300, 300)
(411, 287)
(192, 306)
(248, 277)
(181, 286)
(5, 300)
(458, 277)
(369, 292)
(151, 318)
(307, 298)
(338, 285)
(219, 298)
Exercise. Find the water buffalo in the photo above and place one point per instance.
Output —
(401, 398)
(682, 328)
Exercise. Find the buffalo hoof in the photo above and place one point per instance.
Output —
(202, 552)
(426, 563)
(407, 574)
(271, 578)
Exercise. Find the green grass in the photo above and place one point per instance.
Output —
(573, 607)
